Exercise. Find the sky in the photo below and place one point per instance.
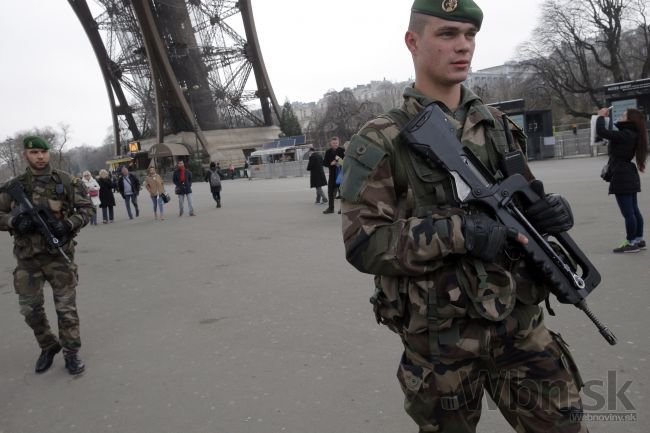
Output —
(49, 74)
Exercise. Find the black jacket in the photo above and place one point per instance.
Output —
(329, 157)
(135, 184)
(106, 197)
(316, 172)
(621, 149)
(183, 187)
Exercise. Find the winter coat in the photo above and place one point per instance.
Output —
(106, 197)
(316, 172)
(621, 149)
(154, 185)
(92, 185)
(182, 187)
(135, 184)
(330, 155)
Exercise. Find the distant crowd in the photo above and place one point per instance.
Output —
(102, 189)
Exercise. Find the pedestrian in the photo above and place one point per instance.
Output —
(182, 178)
(154, 184)
(93, 192)
(317, 175)
(629, 142)
(231, 171)
(66, 200)
(129, 187)
(467, 312)
(106, 197)
(247, 173)
(214, 179)
(331, 159)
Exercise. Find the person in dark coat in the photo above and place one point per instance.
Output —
(182, 178)
(213, 178)
(317, 175)
(129, 187)
(630, 141)
(106, 197)
(332, 157)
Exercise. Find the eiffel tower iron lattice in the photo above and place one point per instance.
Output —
(179, 65)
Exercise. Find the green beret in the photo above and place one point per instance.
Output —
(451, 10)
(35, 142)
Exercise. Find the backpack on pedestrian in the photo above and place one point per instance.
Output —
(215, 179)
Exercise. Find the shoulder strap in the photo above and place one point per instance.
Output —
(66, 180)
(400, 177)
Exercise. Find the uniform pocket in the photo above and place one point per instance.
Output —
(411, 378)
(388, 302)
(490, 288)
(566, 359)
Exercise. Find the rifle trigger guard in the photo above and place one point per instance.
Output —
(579, 281)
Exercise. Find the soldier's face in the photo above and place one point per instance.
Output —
(37, 158)
(442, 52)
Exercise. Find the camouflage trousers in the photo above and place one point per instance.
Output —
(29, 278)
(528, 373)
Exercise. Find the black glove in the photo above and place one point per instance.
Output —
(60, 228)
(484, 237)
(551, 214)
(23, 223)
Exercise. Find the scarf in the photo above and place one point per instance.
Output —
(181, 177)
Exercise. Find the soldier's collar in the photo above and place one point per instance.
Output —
(46, 171)
(411, 94)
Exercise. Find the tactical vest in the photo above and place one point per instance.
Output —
(59, 197)
(490, 288)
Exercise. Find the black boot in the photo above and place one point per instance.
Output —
(45, 359)
(218, 203)
(73, 363)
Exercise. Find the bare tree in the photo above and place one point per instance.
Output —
(577, 49)
(343, 116)
(10, 155)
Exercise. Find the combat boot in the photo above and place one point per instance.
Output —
(73, 363)
(46, 358)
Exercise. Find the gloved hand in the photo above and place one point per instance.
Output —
(551, 214)
(60, 228)
(484, 237)
(23, 223)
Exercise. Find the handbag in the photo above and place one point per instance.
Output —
(339, 175)
(165, 197)
(607, 172)
(93, 193)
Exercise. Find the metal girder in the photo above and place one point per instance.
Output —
(182, 62)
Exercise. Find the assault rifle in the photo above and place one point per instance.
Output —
(38, 215)
(432, 136)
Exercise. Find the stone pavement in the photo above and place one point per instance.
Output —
(248, 319)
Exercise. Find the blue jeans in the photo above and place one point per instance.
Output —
(107, 213)
(181, 199)
(633, 220)
(128, 199)
(157, 203)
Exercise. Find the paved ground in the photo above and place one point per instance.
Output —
(248, 319)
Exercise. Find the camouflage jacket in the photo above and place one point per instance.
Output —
(56, 190)
(402, 223)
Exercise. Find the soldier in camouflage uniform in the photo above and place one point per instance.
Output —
(70, 209)
(447, 279)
